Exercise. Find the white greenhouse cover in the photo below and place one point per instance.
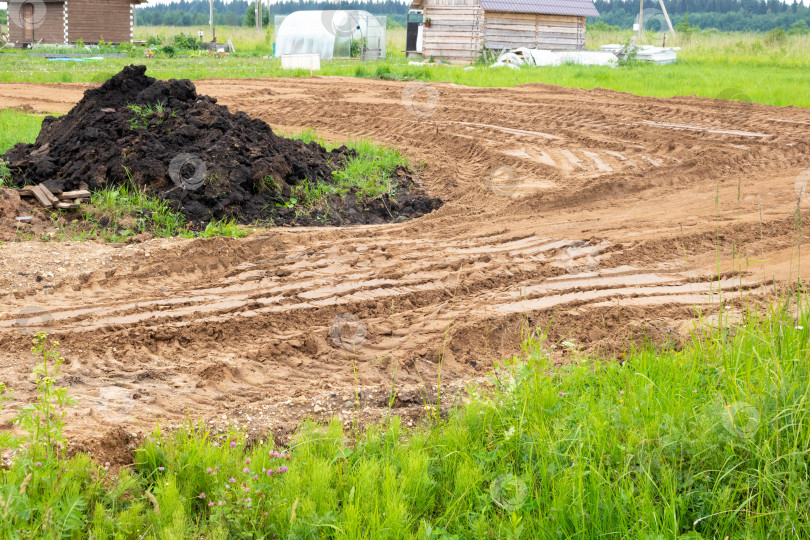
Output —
(329, 33)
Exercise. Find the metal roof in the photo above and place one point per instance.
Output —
(544, 7)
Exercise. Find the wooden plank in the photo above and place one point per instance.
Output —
(460, 43)
(450, 24)
(67, 206)
(501, 33)
(553, 45)
(530, 16)
(502, 28)
(437, 51)
(41, 197)
(26, 192)
(532, 26)
(78, 194)
(468, 51)
(537, 37)
(51, 197)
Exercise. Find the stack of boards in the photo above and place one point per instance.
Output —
(67, 200)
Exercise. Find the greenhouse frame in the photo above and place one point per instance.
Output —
(331, 34)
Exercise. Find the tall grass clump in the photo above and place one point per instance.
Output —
(118, 213)
(368, 174)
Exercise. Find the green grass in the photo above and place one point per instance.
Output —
(711, 441)
(16, 127)
(709, 63)
(116, 214)
(369, 174)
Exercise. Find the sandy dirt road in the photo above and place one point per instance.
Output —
(603, 216)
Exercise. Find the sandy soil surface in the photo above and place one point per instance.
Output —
(603, 216)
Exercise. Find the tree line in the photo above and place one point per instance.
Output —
(727, 15)
(241, 13)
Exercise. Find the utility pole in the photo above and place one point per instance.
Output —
(211, 19)
(641, 21)
(258, 16)
(666, 16)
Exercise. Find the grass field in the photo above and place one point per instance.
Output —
(707, 442)
(710, 64)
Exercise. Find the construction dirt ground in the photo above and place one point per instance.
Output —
(601, 218)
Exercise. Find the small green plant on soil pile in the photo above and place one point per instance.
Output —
(368, 175)
(145, 113)
(116, 214)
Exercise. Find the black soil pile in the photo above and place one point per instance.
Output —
(206, 161)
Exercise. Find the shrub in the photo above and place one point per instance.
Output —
(602, 26)
(777, 36)
(186, 42)
(799, 28)
(684, 29)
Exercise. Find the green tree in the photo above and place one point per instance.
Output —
(250, 16)
(799, 28)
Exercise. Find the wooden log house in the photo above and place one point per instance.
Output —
(459, 30)
(68, 21)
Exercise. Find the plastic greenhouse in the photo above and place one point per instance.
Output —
(331, 34)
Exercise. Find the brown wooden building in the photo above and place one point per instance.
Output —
(68, 21)
(461, 29)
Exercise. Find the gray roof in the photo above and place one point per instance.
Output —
(545, 7)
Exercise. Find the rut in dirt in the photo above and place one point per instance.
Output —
(207, 162)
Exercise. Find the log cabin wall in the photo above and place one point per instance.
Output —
(456, 29)
(47, 19)
(99, 20)
(504, 30)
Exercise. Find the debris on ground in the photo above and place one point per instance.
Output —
(207, 162)
(643, 53)
(62, 200)
(524, 56)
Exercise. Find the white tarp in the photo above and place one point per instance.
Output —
(544, 57)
